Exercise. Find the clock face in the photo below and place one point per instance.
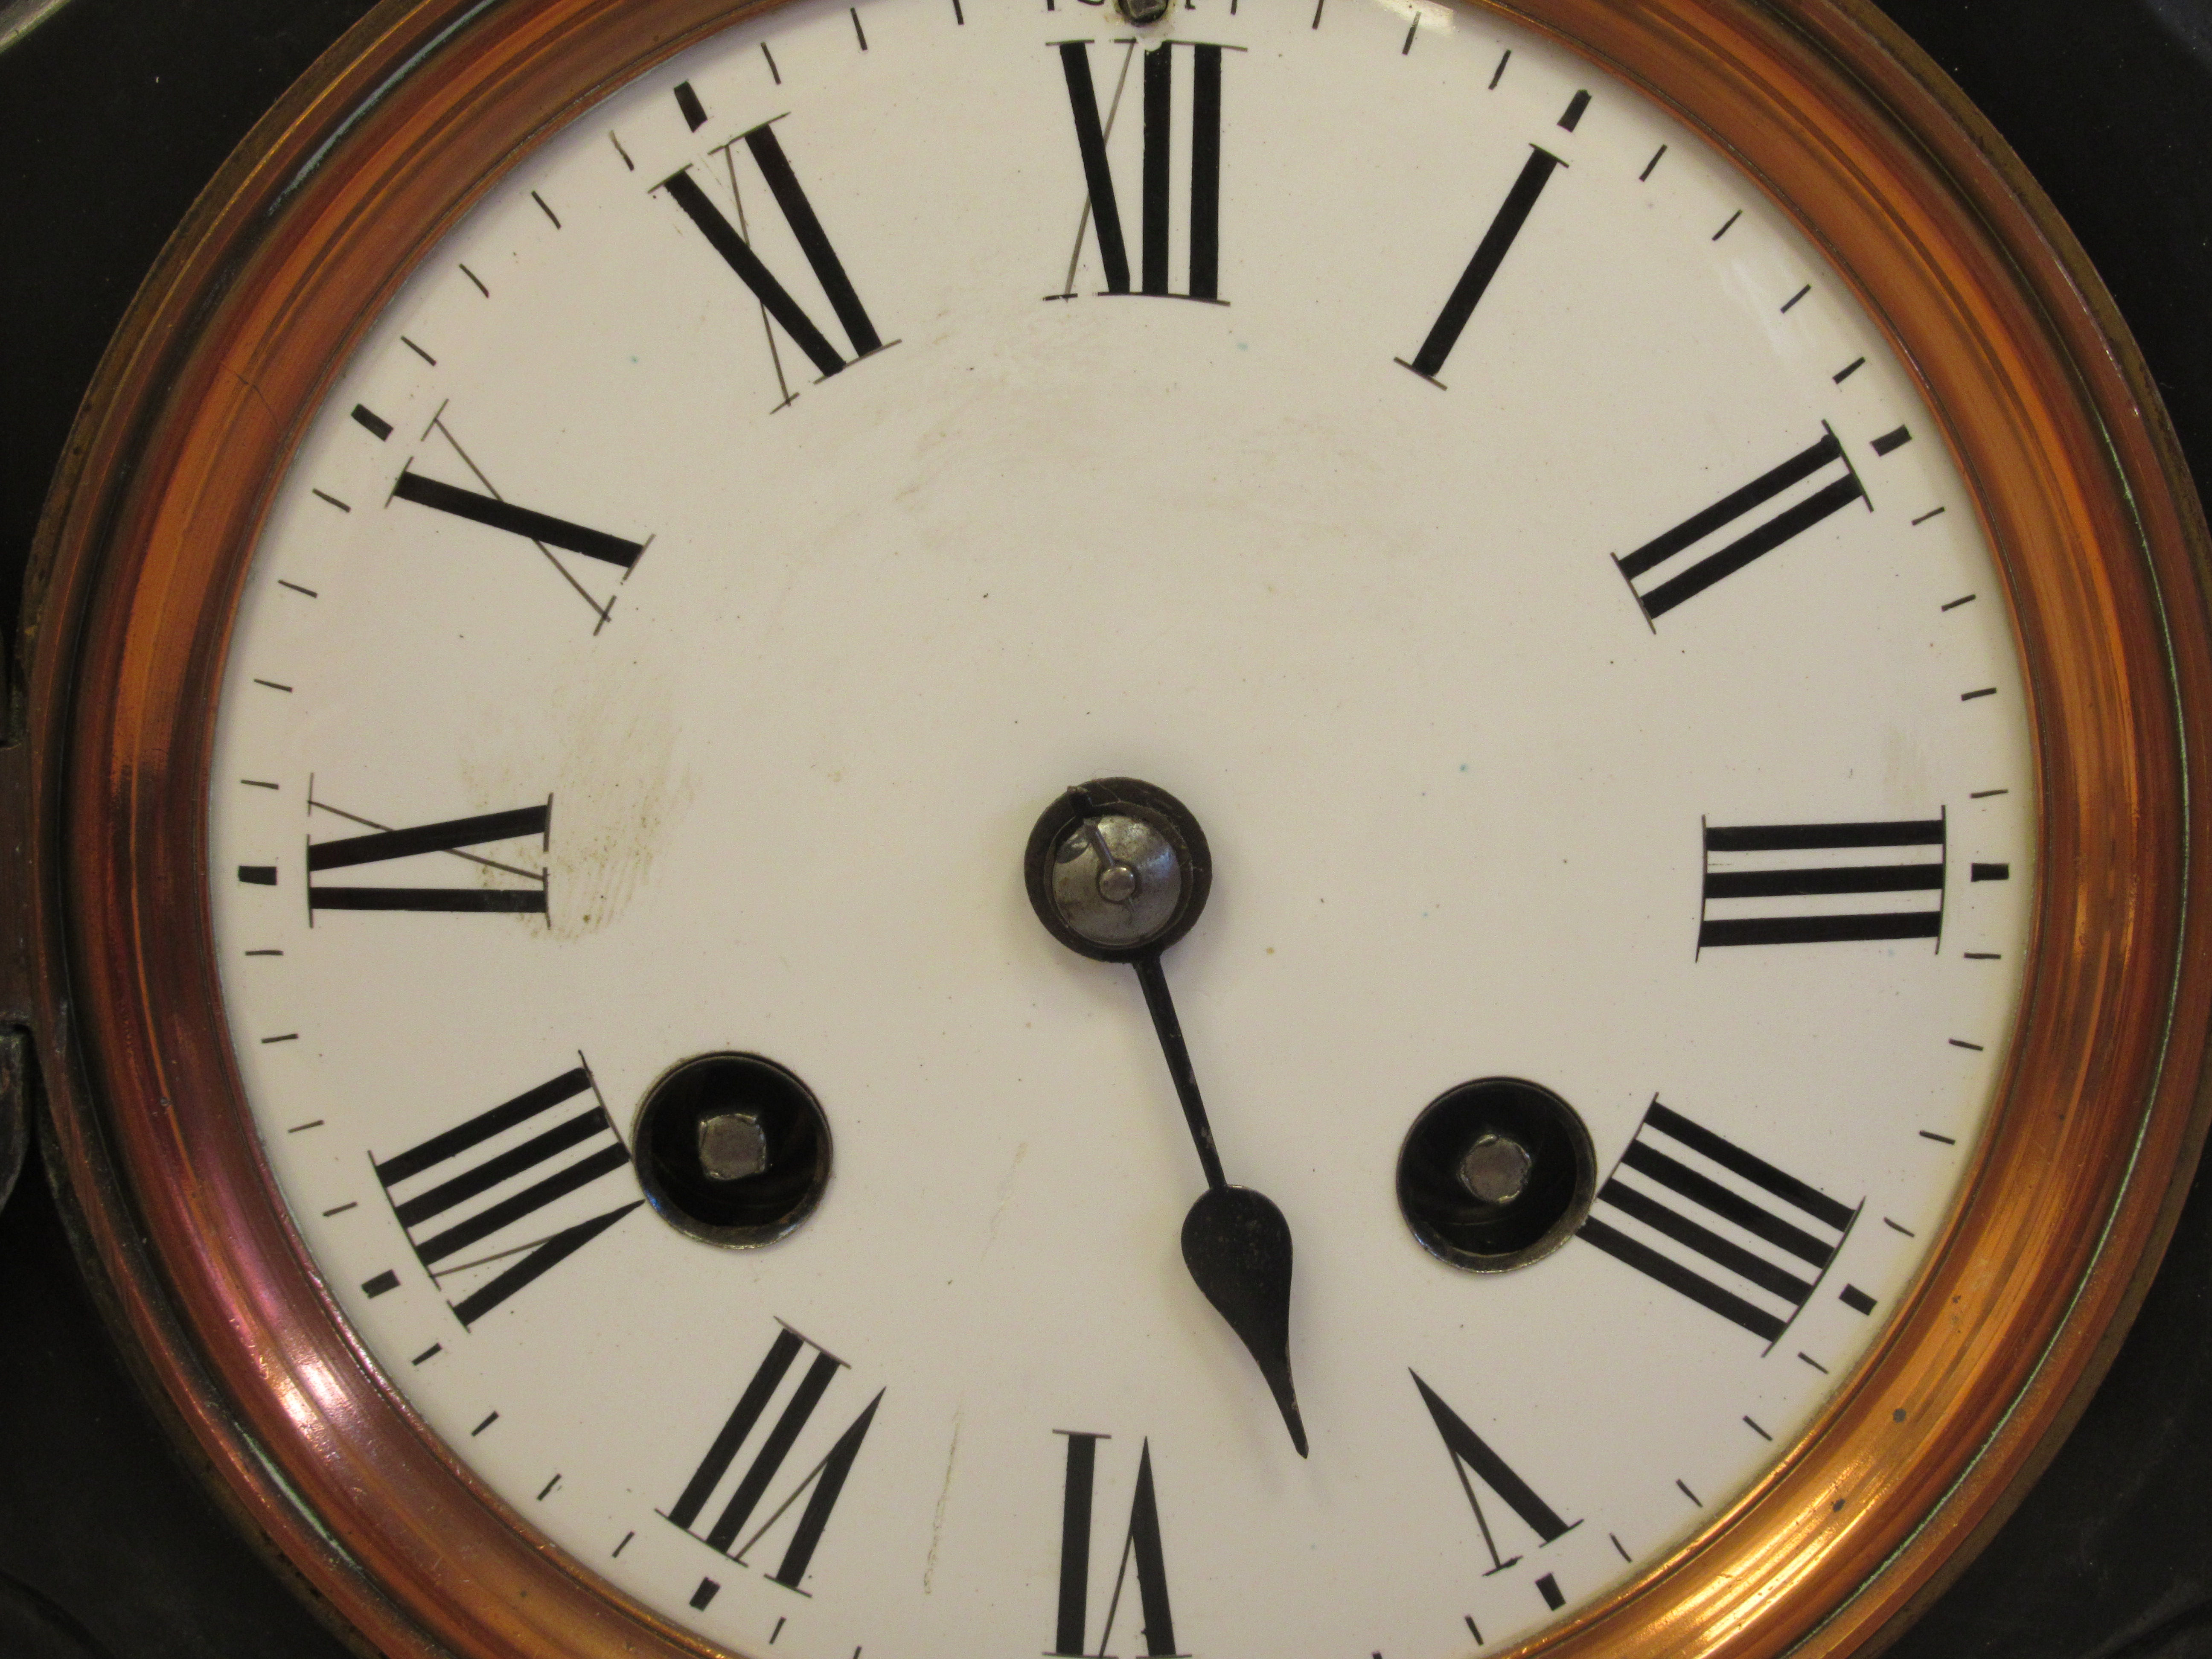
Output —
(1417, 452)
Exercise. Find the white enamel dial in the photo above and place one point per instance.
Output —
(1538, 574)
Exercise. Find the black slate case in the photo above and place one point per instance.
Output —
(112, 115)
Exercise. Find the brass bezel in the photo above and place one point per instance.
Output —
(311, 227)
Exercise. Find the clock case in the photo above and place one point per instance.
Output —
(312, 226)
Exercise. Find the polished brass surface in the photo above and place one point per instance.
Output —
(2053, 421)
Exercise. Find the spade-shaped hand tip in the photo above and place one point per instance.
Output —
(1237, 1247)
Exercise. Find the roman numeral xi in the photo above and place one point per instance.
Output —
(814, 241)
(1140, 1545)
(821, 1485)
(502, 1172)
(1817, 884)
(1716, 1223)
(1104, 211)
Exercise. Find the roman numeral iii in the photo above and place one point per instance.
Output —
(454, 836)
(1140, 1545)
(821, 1485)
(814, 241)
(1720, 1226)
(1690, 558)
(1104, 212)
(507, 1171)
(1817, 884)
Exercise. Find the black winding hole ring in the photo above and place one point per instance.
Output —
(791, 1146)
(1446, 1215)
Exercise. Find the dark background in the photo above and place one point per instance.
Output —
(115, 112)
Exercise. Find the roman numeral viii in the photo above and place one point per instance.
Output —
(1723, 1226)
(505, 1170)
(1814, 884)
(821, 1485)
(454, 836)
(1693, 557)
(814, 241)
(1470, 1455)
(1104, 211)
(1139, 1545)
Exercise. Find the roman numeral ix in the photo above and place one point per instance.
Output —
(522, 1172)
(1139, 1545)
(1816, 884)
(822, 259)
(1723, 1227)
(454, 836)
(1470, 1455)
(1689, 572)
(1102, 210)
(821, 1485)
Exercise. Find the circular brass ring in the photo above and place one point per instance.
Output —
(342, 188)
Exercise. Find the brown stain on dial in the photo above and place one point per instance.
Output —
(618, 791)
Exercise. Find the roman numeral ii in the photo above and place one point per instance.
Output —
(1817, 884)
(1139, 1545)
(434, 1188)
(1103, 210)
(1681, 1180)
(821, 1485)
(1690, 573)
(814, 241)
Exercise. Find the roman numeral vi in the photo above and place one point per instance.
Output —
(434, 1188)
(1753, 1257)
(1140, 1545)
(821, 1485)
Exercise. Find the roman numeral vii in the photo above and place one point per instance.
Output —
(1716, 1223)
(1140, 1545)
(507, 1171)
(814, 241)
(821, 1485)
(1103, 210)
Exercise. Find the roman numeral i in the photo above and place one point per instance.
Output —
(1140, 1545)
(1815, 884)
(435, 1187)
(1753, 1257)
(1103, 211)
(821, 1485)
